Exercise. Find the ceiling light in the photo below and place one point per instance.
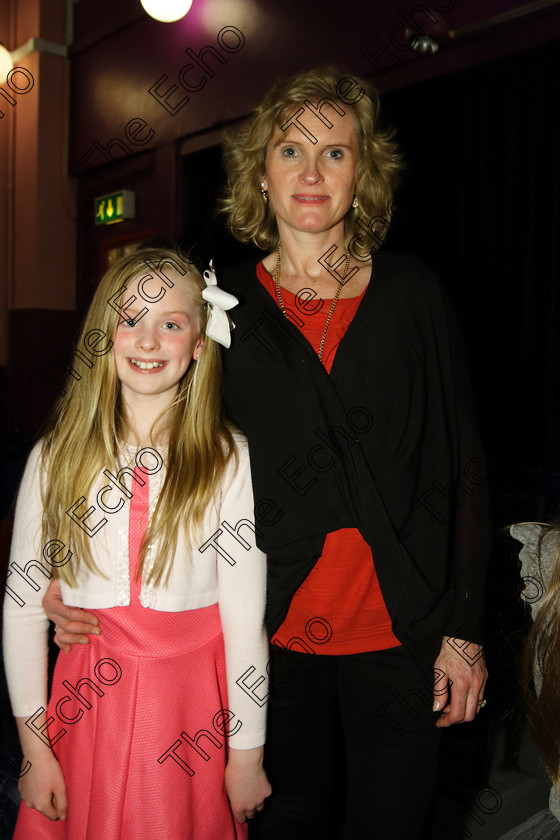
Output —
(167, 10)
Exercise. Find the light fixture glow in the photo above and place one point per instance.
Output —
(6, 62)
(424, 44)
(167, 10)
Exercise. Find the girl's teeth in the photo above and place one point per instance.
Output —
(146, 365)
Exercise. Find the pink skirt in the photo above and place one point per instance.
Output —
(139, 731)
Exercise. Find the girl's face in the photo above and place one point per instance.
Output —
(152, 354)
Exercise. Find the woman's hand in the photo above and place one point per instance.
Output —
(43, 786)
(246, 783)
(460, 678)
(72, 624)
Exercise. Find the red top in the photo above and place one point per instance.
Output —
(339, 608)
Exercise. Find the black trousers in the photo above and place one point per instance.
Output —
(351, 740)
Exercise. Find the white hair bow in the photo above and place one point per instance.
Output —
(218, 324)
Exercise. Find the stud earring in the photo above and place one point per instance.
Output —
(264, 192)
(355, 203)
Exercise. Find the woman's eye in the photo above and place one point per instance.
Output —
(289, 152)
(335, 154)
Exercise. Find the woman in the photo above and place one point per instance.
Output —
(348, 377)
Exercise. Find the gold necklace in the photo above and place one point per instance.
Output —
(333, 306)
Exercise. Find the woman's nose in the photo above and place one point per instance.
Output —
(311, 173)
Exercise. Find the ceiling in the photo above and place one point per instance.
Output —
(119, 53)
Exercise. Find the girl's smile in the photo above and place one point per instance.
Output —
(147, 365)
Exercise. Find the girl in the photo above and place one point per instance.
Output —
(139, 499)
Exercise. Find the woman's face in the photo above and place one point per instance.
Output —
(153, 353)
(311, 185)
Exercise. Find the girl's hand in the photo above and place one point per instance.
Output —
(43, 786)
(72, 624)
(246, 783)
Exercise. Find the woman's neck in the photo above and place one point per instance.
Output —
(311, 261)
(301, 251)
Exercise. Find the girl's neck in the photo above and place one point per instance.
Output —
(141, 412)
(140, 439)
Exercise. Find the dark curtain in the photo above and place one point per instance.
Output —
(480, 202)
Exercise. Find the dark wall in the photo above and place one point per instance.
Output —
(185, 78)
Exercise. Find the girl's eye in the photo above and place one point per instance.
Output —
(170, 325)
(128, 322)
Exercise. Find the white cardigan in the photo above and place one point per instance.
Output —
(225, 568)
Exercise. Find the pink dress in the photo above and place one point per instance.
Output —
(137, 725)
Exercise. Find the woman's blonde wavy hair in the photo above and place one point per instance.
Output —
(89, 424)
(251, 219)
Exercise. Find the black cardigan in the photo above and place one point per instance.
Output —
(386, 443)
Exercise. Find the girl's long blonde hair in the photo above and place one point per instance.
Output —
(84, 434)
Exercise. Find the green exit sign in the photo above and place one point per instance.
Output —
(115, 207)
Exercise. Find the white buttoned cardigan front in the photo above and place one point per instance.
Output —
(224, 567)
